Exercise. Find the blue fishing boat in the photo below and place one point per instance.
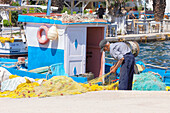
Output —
(61, 44)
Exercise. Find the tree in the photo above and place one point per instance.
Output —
(5, 1)
(115, 8)
(59, 4)
(159, 9)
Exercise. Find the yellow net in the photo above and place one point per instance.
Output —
(56, 86)
(99, 79)
(6, 39)
(13, 76)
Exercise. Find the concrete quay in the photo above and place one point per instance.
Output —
(141, 37)
(92, 102)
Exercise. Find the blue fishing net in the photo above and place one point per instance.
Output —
(148, 82)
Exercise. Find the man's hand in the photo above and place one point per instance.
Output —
(112, 67)
(113, 70)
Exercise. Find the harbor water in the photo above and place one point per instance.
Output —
(155, 53)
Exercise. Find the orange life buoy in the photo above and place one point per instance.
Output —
(39, 35)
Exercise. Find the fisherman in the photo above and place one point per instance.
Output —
(122, 53)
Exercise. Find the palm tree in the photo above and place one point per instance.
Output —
(159, 9)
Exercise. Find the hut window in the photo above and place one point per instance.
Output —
(76, 43)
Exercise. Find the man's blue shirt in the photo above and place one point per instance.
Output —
(118, 49)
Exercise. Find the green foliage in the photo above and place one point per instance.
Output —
(16, 33)
(32, 10)
(140, 8)
(65, 9)
(126, 0)
(15, 3)
(6, 23)
(24, 11)
(44, 11)
(14, 16)
(103, 4)
(93, 9)
(85, 11)
(74, 12)
(44, 4)
(39, 10)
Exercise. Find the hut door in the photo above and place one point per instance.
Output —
(75, 51)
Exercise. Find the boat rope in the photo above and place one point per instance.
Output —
(109, 58)
(157, 66)
(7, 62)
(15, 64)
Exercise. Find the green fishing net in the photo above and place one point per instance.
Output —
(148, 82)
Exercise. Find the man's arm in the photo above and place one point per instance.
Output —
(134, 16)
(116, 66)
(113, 66)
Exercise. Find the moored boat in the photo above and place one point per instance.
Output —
(12, 47)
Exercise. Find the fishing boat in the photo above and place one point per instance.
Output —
(73, 51)
(12, 39)
(62, 44)
(141, 67)
(12, 46)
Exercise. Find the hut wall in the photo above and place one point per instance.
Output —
(43, 55)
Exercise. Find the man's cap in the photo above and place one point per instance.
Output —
(102, 44)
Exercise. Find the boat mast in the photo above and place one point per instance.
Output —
(48, 8)
(20, 2)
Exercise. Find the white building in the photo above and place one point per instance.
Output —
(139, 3)
(167, 10)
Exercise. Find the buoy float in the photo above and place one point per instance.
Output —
(134, 46)
(42, 40)
(52, 33)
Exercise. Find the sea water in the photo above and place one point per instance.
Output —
(155, 53)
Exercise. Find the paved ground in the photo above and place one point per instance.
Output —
(93, 102)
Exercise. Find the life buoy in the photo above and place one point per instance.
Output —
(42, 40)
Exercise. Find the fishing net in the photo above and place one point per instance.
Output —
(99, 79)
(148, 82)
(62, 85)
(74, 18)
(56, 86)
(23, 90)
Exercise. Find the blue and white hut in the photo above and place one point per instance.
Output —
(71, 47)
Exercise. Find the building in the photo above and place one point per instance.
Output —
(139, 3)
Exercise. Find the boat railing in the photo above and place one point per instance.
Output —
(10, 31)
(151, 65)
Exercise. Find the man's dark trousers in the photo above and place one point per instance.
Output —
(126, 72)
